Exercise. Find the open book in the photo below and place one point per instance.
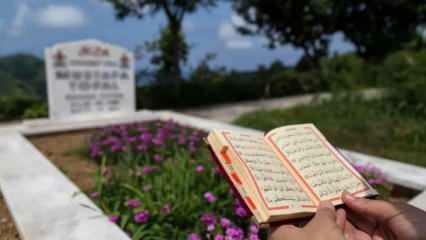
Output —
(287, 172)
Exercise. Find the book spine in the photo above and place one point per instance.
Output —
(235, 182)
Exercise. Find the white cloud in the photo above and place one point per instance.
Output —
(231, 38)
(22, 13)
(61, 16)
(227, 31)
(237, 20)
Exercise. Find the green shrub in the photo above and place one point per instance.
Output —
(346, 72)
(19, 107)
(405, 74)
(292, 82)
(37, 110)
(373, 127)
(228, 87)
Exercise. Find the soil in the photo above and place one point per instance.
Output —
(7, 227)
(66, 151)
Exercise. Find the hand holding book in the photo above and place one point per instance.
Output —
(287, 172)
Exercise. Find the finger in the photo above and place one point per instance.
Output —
(325, 216)
(379, 235)
(349, 231)
(326, 211)
(284, 232)
(352, 233)
(361, 222)
(341, 218)
(377, 209)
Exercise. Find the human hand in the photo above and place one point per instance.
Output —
(327, 224)
(378, 220)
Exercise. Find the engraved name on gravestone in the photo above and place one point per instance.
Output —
(89, 78)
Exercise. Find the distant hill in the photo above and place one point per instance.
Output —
(22, 74)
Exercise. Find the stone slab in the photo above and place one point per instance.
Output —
(419, 201)
(45, 126)
(403, 174)
(46, 205)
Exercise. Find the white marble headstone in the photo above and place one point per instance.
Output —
(89, 78)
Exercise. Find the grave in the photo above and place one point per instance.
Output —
(91, 85)
(89, 79)
(45, 204)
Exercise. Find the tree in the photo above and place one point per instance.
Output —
(303, 23)
(375, 27)
(22, 74)
(379, 27)
(175, 11)
(163, 51)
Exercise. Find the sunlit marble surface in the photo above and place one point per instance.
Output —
(44, 203)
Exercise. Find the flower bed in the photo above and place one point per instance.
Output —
(156, 180)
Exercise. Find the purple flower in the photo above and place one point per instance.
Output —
(211, 227)
(94, 194)
(240, 210)
(208, 219)
(254, 228)
(131, 139)
(158, 158)
(234, 233)
(116, 147)
(146, 137)
(181, 139)
(225, 222)
(376, 181)
(95, 151)
(134, 203)
(210, 197)
(166, 209)
(253, 237)
(142, 129)
(113, 218)
(142, 217)
(158, 141)
(199, 168)
(148, 169)
(219, 237)
(191, 147)
(194, 236)
(142, 147)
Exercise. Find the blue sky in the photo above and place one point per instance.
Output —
(32, 25)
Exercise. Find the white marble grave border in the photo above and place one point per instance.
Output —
(46, 205)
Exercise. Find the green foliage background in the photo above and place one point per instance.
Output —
(22, 91)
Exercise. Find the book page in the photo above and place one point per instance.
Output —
(276, 186)
(323, 170)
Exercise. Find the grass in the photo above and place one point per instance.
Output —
(372, 127)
